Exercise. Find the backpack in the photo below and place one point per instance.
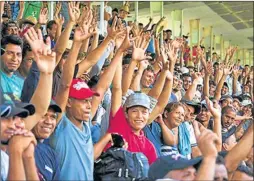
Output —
(120, 164)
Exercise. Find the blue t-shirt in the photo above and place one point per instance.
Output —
(150, 47)
(154, 134)
(47, 162)
(11, 85)
(75, 150)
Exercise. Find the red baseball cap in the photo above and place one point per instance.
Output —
(80, 90)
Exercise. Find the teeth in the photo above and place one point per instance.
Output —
(48, 130)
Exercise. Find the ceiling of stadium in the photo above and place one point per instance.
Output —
(234, 20)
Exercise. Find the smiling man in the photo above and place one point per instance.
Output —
(11, 57)
(46, 158)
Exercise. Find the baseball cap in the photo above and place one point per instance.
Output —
(197, 106)
(138, 99)
(203, 104)
(226, 84)
(229, 133)
(55, 107)
(165, 164)
(225, 97)
(80, 90)
(184, 70)
(246, 103)
(29, 107)
(10, 110)
(246, 96)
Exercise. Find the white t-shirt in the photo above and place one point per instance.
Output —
(4, 165)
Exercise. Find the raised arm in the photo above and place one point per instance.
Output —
(59, 19)
(168, 137)
(45, 60)
(239, 152)
(62, 42)
(216, 113)
(226, 71)
(236, 74)
(163, 99)
(93, 57)
(107, 77)
(190, 93)
(206, 143)
(117, 89)
(138, 55)
(158, 86)
(135, 86)
(21, 10)
(81, 33)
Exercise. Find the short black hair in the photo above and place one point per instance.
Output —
(50, 24)
(186, 75)
(93, 81)
(245, 169)
(115, 9)
(5, 27)
(140, 24)
(169, 31)
(226, 109)
(246, 65)
(11, 39)
(214, 53)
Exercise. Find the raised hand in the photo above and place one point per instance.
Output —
(171, 51)
(114, 31)
(74, 12)
(209, 68)
(236, 72)
(59, 19)
(44, 57)
(196, 76)
(127, 42)
(227, 69)
(58, 8)
(143, 64)
(139, 47)
(160, 120)
(43, 16)
(207, 143)
(215, 108)
(84, 30)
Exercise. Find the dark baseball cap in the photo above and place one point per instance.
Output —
(29, 107)
(10, 110)
(165, 164)
(55, 107)
(197, 106)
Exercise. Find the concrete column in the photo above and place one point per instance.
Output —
(136, 11)
(101, 27)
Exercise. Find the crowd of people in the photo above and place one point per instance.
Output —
(68, 89)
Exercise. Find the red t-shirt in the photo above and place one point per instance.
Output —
(119, 124)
